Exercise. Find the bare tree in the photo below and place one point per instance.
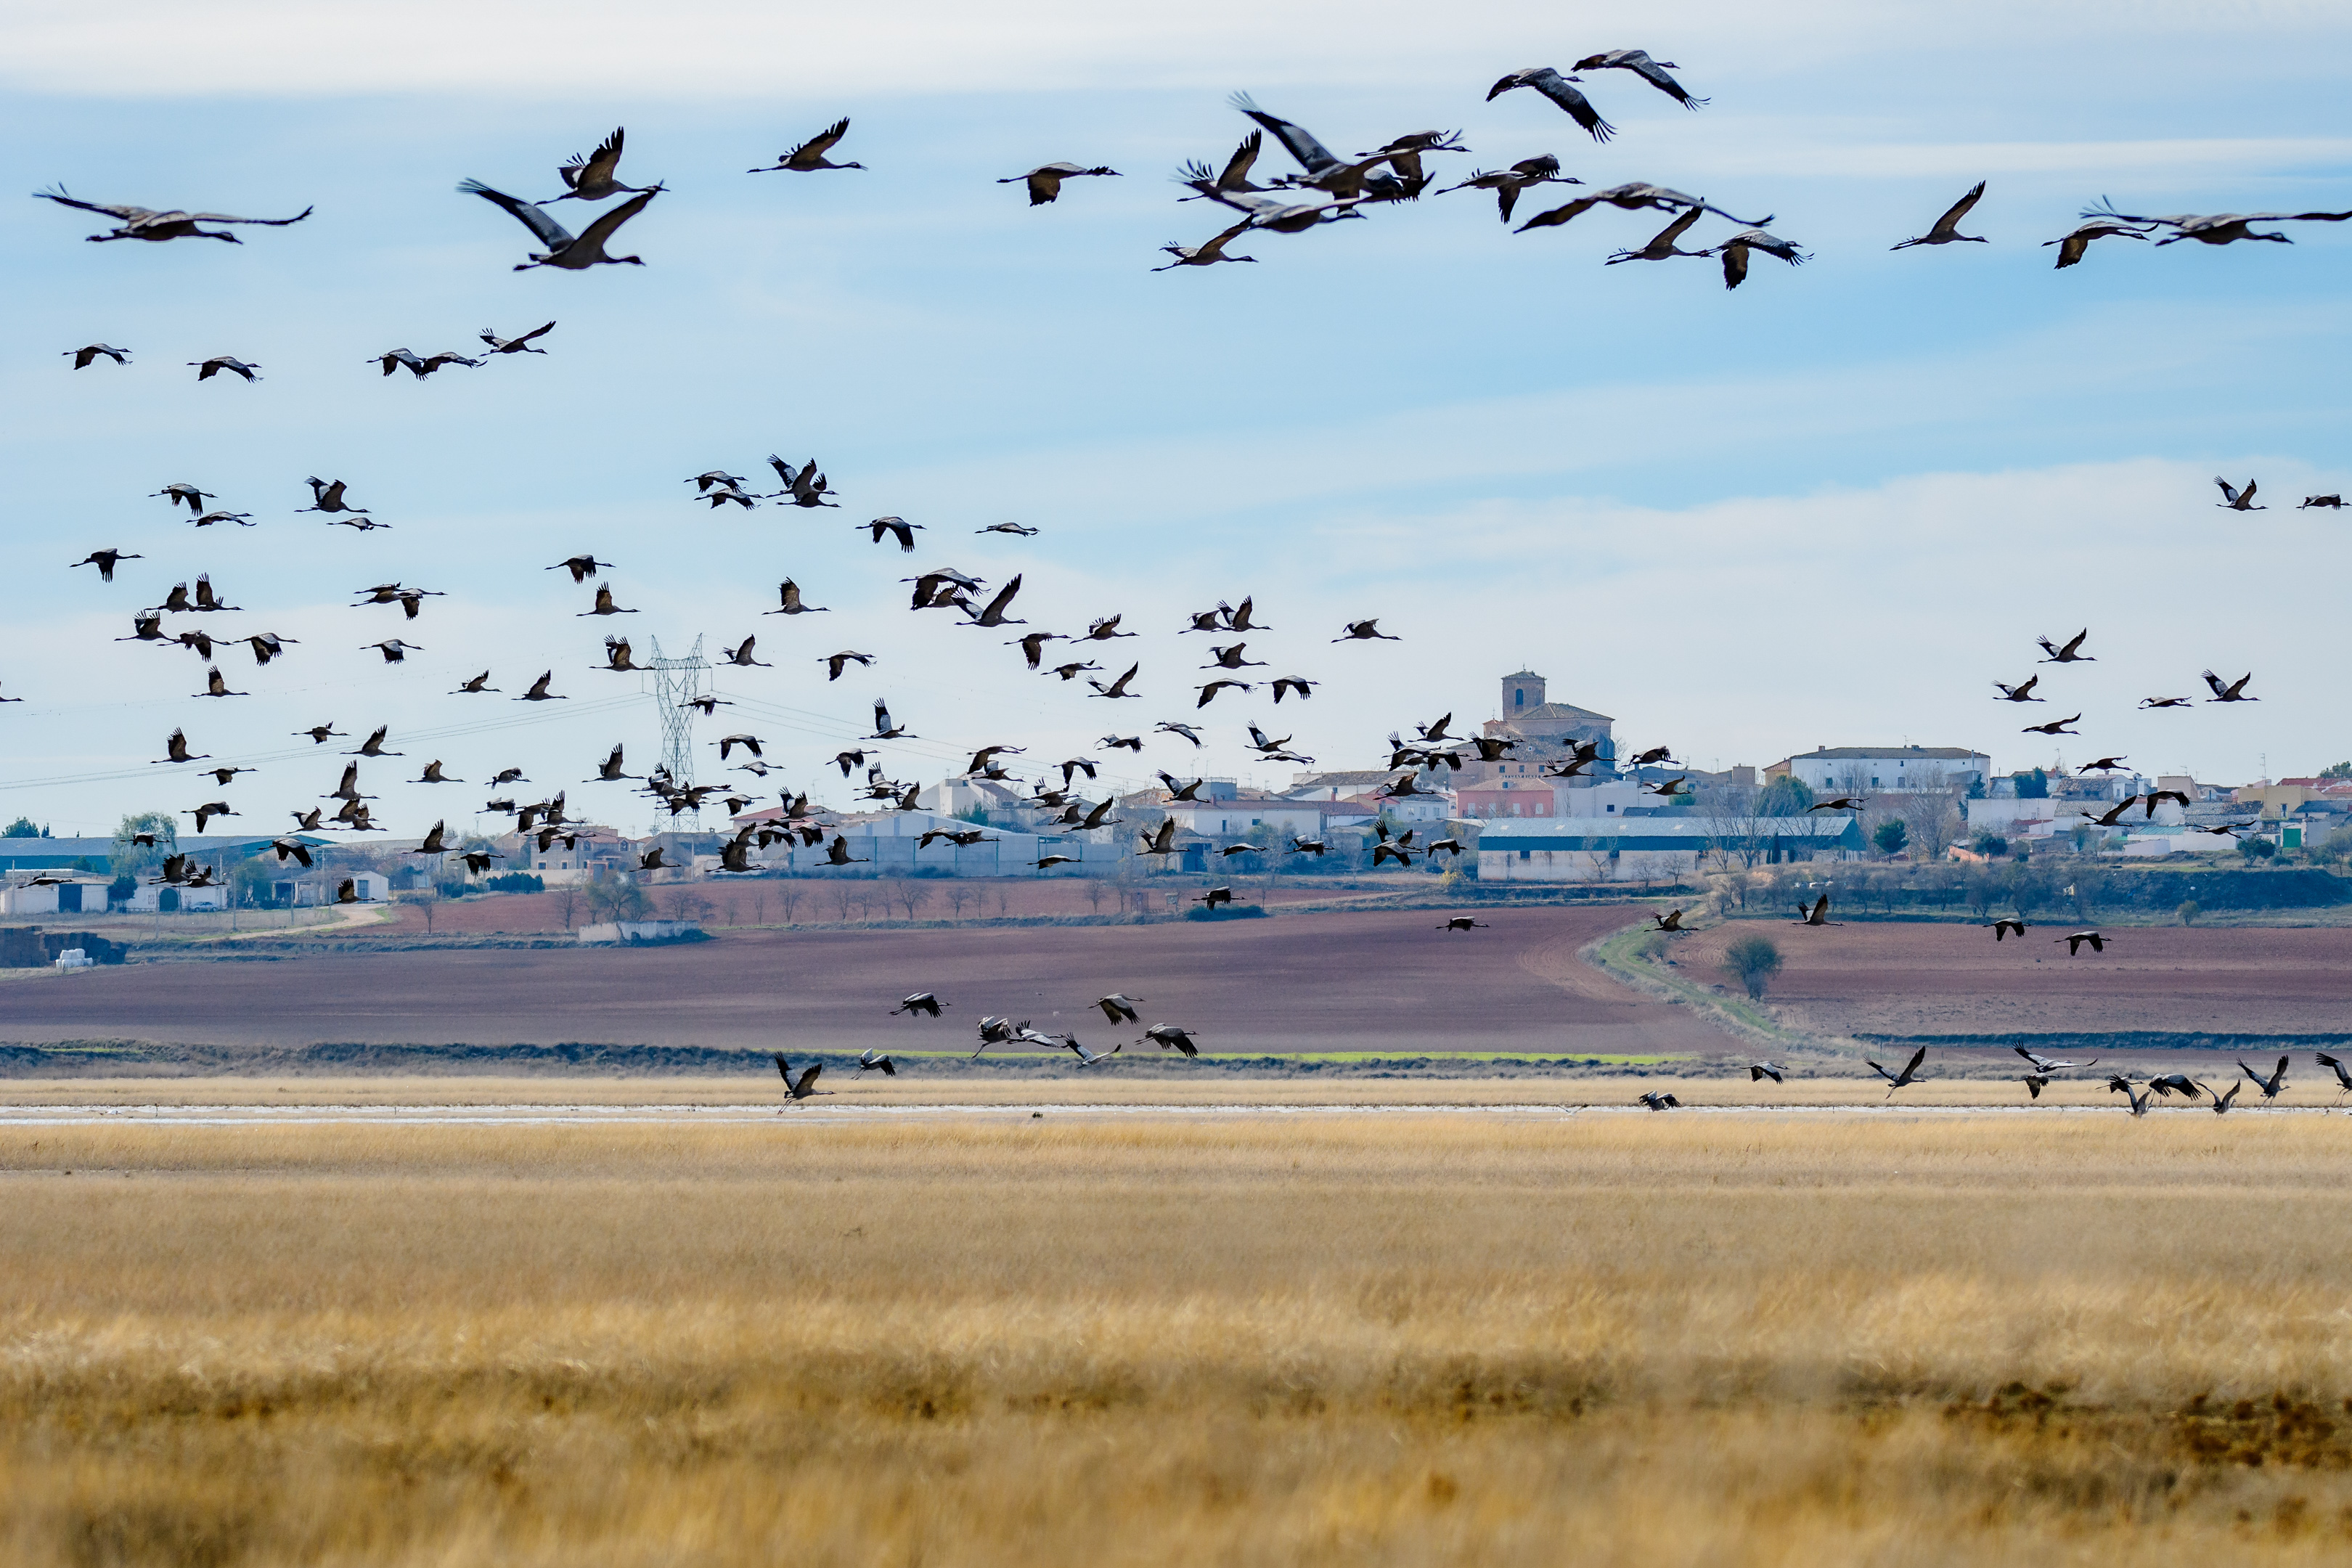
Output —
(567, 902)
(913, 895)
(845, 896)
(759, 903)
(2029, 888)
(1600, 853)
(788, 894)
(1931, 815)
(1983, 890)
(1094, 892)
(686, 903)
(959, 893)
(1734, 818)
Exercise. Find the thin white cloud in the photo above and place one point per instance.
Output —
(729, 49)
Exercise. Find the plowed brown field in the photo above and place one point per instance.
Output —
(1375, 981)
(1945, 979)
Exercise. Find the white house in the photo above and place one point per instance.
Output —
(1605, 849)
(1334, 786)
(889, 843)
(1235, 815)
(162, 897)
(1611, 799)
(72, 897)
(1884, 770)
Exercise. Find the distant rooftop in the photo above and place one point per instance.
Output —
(1556, 711)
(1856, 753)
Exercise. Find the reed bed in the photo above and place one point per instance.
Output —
(1392, 1340)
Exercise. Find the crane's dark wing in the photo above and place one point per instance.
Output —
(1649, 71)
(1916, 1058)
(2261, 217)
(1254, 203)
(1312, 155)
(1579, 108)
(123, 211)
(1676, 229)
(1734, 265)
(1960, 209)
(271, 222)
(551, 234)
(1216, 245)
(2106, 209)
(603, 227)
(1559, 214)
(818, 145)
(598, 167)
(1237, 167)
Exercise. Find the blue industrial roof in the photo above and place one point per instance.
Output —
(1827, 830)
(60, 854)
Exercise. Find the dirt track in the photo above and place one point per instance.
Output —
(1372, 982)
(1945, 979)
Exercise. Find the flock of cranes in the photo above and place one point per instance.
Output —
(593, 179)
(1324, 189)
(2042, 1070)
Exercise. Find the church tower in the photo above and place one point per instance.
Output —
(1521, 693)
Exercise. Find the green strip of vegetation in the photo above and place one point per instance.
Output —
(1625, 954)
(1586, 1058)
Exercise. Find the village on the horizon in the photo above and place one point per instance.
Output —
(1510, 818)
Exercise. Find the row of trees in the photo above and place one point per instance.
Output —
(2028, 887)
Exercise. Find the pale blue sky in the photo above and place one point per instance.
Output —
(1827, 509)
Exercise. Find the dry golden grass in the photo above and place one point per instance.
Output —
(1377, 1341)
(1837, 1084)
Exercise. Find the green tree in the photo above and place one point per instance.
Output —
(23, 829)
(2034, 785)
(1784, 796)
(129, 860)
(2189, 912)
(1991, 845)
(2336, 771)
(1753, 959)
(250, 881)
(2028, 888)
(1891, 836)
